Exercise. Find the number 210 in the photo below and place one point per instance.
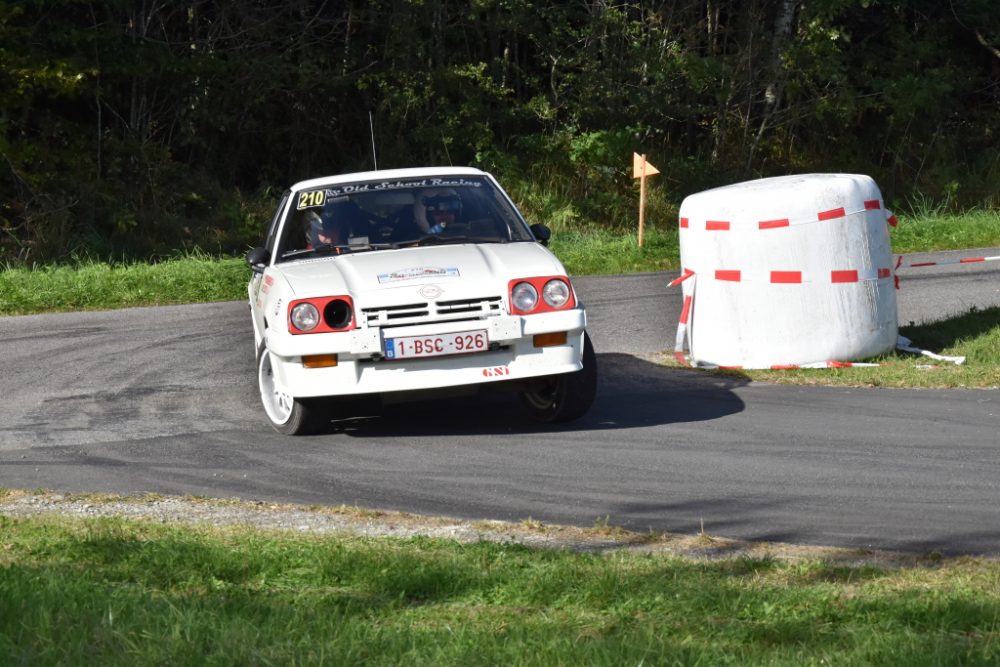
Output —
(310, 199)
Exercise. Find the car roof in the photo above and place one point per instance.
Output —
(386, 174)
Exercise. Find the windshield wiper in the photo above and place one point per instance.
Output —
(338, 249)
(439, 239)
(442, 239)
(318, 250)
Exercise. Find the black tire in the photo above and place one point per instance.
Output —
(286, 414)
(563, 398)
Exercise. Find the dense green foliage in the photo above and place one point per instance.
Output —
(115, 592)
(134, 127)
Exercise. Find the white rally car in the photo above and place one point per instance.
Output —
(405, 283)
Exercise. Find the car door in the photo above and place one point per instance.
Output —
(257, 279)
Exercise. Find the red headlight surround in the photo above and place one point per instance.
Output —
(539, 282)
(336, 313)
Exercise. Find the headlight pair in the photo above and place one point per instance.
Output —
(556, 294)
(321, 315)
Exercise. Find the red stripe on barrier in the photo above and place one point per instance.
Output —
(773, 224)
(730, 368)
(785, 368)
(832, 214)
(731, 276)
(686, 309)
(681, 278)
(872, 205)
(893, 221)
(925, 264)
(844, 276)
(786, 276)
(972, 259)
(681, 359)
(684, 223)
(838, 364)
(716, 226)
(884, 273)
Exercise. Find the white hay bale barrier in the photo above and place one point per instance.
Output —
(787, 271)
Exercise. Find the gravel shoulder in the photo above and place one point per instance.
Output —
(359, 522)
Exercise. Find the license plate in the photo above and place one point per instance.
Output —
(436, 345)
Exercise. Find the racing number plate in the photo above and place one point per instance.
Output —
(437, 345)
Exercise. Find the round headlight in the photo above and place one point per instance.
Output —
(305, 317)
(556, 293)
(525, 296)
(337, 314)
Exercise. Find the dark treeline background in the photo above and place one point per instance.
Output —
(135, 127)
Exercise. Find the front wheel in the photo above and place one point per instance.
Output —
(287, 414)
(563, 398)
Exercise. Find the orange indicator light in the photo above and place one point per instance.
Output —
(550, 339)
(319, 360)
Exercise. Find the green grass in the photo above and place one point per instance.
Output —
(584, 249)
(600, 251)
(939, 231)
(117, 592)
(93, 285)
(974, 335)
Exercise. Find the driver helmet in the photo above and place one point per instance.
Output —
(441, 201)
(324, 227)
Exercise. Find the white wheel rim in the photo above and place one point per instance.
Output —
(276, 399)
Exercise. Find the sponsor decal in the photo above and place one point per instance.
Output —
(417, 272)
(430, 291)
(437, 182)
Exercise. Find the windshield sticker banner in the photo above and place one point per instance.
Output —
(417, 273)
(438, 182)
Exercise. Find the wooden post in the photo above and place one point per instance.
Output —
(641, 169)
(642, 199)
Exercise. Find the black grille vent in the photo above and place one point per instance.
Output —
(426, 313)
(488, 305)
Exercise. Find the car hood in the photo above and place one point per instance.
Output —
(395, 276)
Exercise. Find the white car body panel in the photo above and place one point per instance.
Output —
(429, 278)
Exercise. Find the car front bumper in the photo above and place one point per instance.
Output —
(361, 368)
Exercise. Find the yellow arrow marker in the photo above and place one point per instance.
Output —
(641, 168)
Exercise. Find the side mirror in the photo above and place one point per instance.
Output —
(258, 259)
(542, 233)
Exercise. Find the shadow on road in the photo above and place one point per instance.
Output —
(631, 393)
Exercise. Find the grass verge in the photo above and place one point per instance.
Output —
(195, 278)
(974, 335)
(93, 285)
(87, 284)
(932, 230)
(113, 591)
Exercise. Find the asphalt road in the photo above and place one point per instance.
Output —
(164, 400)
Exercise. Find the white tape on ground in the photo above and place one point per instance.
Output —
(905, 344)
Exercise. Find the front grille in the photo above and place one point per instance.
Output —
(431, 312)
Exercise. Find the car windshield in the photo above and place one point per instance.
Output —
(378, 215)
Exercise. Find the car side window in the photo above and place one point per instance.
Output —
(272, 230)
